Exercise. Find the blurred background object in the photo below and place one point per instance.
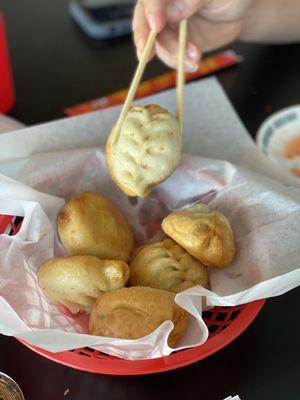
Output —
(103, 19)
(7, 94)
(9, 124)
(9, 389)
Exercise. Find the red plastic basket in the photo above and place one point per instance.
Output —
(224, 324)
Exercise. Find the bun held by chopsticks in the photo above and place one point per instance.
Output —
(147, 149)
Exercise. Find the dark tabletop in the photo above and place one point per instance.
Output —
(55, 66)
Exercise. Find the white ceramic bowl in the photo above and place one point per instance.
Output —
(279, 138)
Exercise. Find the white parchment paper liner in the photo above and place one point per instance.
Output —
(45, 164)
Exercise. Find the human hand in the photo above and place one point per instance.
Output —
(211, 24)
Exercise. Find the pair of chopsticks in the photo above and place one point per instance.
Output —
(139, 73)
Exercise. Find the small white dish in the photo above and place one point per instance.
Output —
(279, 138)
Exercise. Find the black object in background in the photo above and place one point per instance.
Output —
(104, 19)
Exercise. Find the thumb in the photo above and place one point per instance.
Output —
(178, 10)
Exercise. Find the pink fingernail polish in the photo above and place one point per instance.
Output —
(192, 53)
(140, 45)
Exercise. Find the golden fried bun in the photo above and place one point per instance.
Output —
(91, 224)
(166, 265)
(77, 281)
(205, 234)
(147, 150)
(131, 313)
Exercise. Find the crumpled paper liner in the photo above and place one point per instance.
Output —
(43, 165)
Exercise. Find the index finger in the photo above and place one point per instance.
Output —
(141, 28)
(155, 11)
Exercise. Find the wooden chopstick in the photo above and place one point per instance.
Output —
(139, 73)
(180, 71)
(134, 84)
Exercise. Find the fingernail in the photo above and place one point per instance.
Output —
(140, 46)
(192, 53)
(152, 23)
(174, 10)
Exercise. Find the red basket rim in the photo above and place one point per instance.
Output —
(173, 361)
(116, 366)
